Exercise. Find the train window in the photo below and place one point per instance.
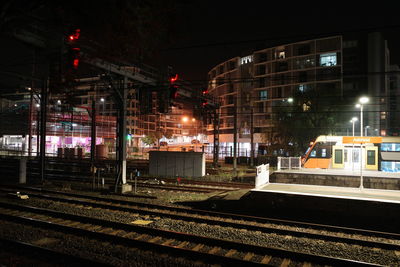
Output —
(338, 156)
(313, 154)
(390, 147)
(370, 157)
(323, 152)
(390, 166)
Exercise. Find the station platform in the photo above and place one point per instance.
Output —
(338, 178)
(375, 209)
(366, 194)
(341, 172)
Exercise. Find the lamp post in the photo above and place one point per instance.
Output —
(363, 100)
(366, 130)
(353, 120)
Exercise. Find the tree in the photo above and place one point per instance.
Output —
(149, 139)
(312, 113)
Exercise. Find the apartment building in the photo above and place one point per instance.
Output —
(260, 84)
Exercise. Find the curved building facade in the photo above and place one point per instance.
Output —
(258, 85)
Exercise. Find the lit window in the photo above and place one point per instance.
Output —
(281, 54)
(263, 95)
(328, 59)
(245, 60)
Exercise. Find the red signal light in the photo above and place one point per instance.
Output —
(173, 78)
(75, 35)
(76, 63)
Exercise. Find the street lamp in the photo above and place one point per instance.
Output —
(366, 130)
(353, 120)
(363, 100)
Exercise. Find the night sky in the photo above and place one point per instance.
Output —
(206, 33)
(210, 32)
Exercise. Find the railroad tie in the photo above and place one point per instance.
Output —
(285, 263)
(155, 239)
(198, 247)
(94, 227)
(214, 250)
(248, 256)
(57, 220)
(168, 242)
(142, 237)
(306, 264)
(129, 235)
(230, 253)
(118, 231)
(266, 259)
(87, 226)
(106, 230)
(182, 245)
(73, 224)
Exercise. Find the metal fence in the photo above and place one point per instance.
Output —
(289, 163)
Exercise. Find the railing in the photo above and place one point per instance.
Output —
(289, 163)
(262, 177)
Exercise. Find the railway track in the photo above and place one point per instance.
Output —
(168, 184)
(80, 171)
(349, 236)
(36, 255)
(210, 250)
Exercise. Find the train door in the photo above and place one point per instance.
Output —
(352, 157)
(371, 156)
(355, 158)
(338, 157)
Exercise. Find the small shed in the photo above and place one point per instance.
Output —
(174, 163)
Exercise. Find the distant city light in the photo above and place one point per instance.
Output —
(364, 100)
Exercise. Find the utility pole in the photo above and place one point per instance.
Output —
(30, 122)
(93, 136)
(251, 138)
(121, 95)
(216, 137)
(235, 136)
(43, 109)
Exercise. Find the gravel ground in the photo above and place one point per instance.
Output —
(333, 249)
(105, 252)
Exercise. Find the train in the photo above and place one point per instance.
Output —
(378, 153)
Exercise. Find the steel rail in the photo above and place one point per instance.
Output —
(215, 220)
(173, 249)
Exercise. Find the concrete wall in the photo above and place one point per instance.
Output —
(335, 180)
(172, 163)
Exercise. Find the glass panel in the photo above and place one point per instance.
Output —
(338, 156)
(356, 154)
(328, 59)
(370, 157)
